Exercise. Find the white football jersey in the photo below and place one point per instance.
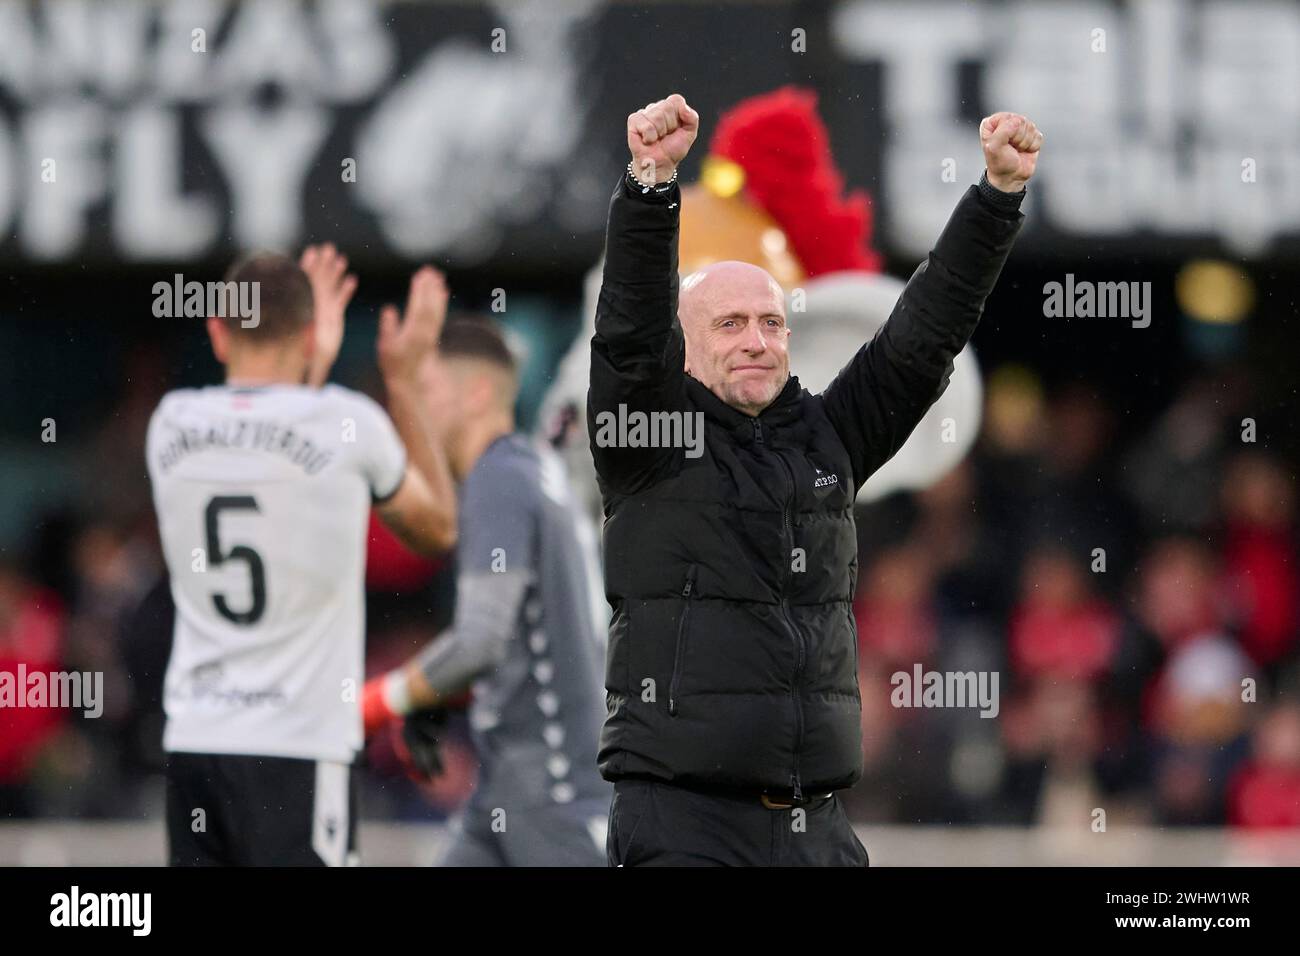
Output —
(263, 497)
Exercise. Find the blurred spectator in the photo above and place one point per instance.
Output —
(1060, 628)
(1010, 476)
(970, 557)
(1259, 556)
(1174, 471)
(894, 608)
(31, 640)
(1053, 737)
(1083, 509)
(113, 485)
(1265, 792)
(1198, 719)
(114, 563)
(1179, 595)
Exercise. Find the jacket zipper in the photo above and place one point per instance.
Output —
(687, 590)
(800, 651)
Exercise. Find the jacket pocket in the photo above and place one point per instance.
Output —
(683, 629)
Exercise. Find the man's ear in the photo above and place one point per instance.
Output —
(220, 336)
(681, 330)
(483, 391)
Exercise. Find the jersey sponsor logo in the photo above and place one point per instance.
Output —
(206, 685)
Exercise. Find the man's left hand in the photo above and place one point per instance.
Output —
(1011, 143)
(331, 290)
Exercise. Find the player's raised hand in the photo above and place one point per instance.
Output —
(403, 345)
(332, 287)
(1011, 143)
(659, 137)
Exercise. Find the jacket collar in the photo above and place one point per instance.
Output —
(784, 410)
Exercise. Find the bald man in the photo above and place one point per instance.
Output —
(733, 709)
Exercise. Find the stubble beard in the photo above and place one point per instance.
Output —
(742, 398)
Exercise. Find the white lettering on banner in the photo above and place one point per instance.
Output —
(1150, 134)
(267, 155)
(338, 51)
(131, 154)
(51, 219)
(154, 219)
(479, 127)
(459, 123)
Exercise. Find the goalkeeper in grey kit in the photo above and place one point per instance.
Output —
(524, 635)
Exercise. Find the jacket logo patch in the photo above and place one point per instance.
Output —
(825, 481)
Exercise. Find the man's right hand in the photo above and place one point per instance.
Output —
(1011, 144)
(423, 511)
(403, 346)
(421, 742)
(660, 136)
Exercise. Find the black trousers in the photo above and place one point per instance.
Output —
(658, 824)
(235, 810)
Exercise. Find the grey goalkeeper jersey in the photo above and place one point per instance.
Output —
(526, 629)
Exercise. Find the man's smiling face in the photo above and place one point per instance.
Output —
(737, 342)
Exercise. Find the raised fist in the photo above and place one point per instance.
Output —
(1011, 143)
(659, 136)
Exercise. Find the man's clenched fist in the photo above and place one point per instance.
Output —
(659, 136)
(1011, 143)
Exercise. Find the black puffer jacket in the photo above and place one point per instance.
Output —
(732, 655)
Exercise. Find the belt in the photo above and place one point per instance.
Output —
(772, 803)
(772, 798)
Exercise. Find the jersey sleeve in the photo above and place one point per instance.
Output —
(153, 438)
(498, 522)
(496, 562)
(377, 449)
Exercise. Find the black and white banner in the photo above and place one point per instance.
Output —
(134, 131)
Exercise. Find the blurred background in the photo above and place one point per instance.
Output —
(1118, 544)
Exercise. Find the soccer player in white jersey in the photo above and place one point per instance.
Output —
(263, 487)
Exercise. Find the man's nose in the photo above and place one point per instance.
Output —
(754, 339)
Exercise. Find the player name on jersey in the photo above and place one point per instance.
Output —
(267, 436)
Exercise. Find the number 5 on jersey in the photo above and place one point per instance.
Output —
(216, 558)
